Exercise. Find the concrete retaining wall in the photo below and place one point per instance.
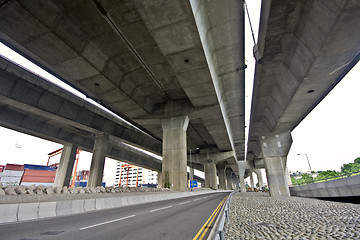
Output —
(29, 211)
(344, 187)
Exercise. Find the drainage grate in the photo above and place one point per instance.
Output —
(51, 233)
(265, 224)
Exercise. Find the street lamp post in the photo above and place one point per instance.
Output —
(307, 158)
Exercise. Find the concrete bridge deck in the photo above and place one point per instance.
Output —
(258, 216)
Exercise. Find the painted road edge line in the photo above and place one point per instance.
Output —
(158, 209)
(99, 224)
(196, 199)
(184, 203)
(210, 220)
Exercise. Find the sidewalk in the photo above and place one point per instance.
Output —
(257, 216)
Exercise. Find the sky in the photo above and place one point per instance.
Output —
(328, 135)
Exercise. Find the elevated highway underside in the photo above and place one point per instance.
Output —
(144, 60)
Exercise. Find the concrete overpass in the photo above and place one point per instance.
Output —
(156, 70)
(176, 70)
(304, 49)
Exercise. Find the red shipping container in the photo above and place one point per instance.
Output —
(14, 167)
(38, 179)
(39, 173)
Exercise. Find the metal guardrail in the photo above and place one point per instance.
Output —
(218, 229)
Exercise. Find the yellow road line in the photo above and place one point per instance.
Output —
(205, 228)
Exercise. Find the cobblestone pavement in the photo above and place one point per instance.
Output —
(257, 216)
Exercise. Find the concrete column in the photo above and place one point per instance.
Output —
(221, 174)
(260, 178)
(228, 173)
(241, 177)
(252, 184)
(275, 148)
(98, 160)
(174, 161)
(235, 182)
(67, 159)
(159, 179)
(210, 175)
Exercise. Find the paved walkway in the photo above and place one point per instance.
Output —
(257, 216)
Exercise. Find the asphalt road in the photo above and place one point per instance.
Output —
(172, 219)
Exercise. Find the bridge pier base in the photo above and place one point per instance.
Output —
(174, 161)
(67, 159)
(98, 160)
(275, 148)
(221, 174)
(210, 174)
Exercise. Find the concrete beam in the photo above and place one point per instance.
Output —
(217, 158)
(225, 57)
(32, 94)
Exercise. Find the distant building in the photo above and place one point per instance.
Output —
(128, 175)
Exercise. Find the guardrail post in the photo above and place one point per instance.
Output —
(222, 235)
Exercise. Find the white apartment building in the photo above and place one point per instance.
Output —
(133, 176)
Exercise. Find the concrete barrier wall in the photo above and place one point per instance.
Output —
(29, 211)
(344, 187)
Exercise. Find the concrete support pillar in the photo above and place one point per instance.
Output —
(67, 159)
(221, 174)
(241, 176)
(228, 173)
(174, 161)
(235, 182)
(159, 179)
(260, 178)
(275, 148)
(98, 160)
(210, 175)
(252, 183)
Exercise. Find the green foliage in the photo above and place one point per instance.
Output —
(327, 175)
(346, 170)
(166, 180)
(350, 168)
(305, 179)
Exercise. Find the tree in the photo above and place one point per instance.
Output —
(305, 179)
(357, 161)
(350, 168)
(327, 175)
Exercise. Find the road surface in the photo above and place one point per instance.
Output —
(182, 218)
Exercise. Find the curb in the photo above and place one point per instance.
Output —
(37, 210)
